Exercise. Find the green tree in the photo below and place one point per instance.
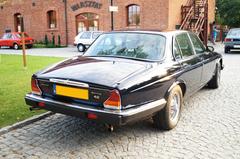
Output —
(229, 12)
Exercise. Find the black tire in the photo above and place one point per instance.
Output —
(226, 50)
(15, 46)
(215, 81)
(165, 119)
(81, 47)
(29, 46)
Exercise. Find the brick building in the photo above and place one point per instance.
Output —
(68, 17)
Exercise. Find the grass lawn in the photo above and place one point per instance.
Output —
(15, 82)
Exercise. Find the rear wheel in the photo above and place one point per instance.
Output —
(226, 50)
(215, 81)
(81, 47)
(169, 116)
(15, 46)
(29, 46)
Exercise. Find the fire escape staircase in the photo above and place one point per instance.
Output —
(195, 18)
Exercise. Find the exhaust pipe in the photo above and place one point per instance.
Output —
(34, 108)
(110, 127)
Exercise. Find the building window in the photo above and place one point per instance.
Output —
(87, 22)
(18, 22)
(133, 15)
(52, 19)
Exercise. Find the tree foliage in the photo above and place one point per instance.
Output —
(229, 12)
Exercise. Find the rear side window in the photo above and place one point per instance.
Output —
(185, 45)
(19, 35)
(86, 35)
(198, 45)
(176, 50)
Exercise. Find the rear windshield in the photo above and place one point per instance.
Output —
(234, 33)
(129, 45)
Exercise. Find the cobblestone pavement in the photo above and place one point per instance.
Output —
(209, 128)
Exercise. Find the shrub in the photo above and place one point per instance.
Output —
(46, 40)
(53, 40)
(59, 40)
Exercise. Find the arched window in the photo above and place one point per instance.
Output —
(87, 22)
(52, 19)
(18, 22)
(133, 15)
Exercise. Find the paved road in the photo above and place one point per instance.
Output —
(209, 128)
(54, 52)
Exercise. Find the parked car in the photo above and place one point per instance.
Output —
(127, 76)
(14, 40)
(232, 41)
(84, 39)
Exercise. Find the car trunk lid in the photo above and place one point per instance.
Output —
(100, 71)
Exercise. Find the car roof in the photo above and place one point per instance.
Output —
(164, 33)
(14, 33)
(91, 31)
(235, 29)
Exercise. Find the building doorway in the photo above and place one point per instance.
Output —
(87, 22)
(17, 22)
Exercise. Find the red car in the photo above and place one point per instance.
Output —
(14, 41)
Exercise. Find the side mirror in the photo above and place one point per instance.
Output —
(210, 48)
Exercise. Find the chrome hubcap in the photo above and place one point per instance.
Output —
(175, 107)
(15, 46)
(80, 47)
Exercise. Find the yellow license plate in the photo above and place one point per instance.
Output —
(72, 92)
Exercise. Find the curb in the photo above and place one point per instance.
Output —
(23, 123)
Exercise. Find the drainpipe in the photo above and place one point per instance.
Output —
(112, 22)
(66, 21)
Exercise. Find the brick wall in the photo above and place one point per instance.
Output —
(35, 17)
(155, 14)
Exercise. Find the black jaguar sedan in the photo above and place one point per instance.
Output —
(126, 76)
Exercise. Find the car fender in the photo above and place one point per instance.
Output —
(220, 61)
(181, 83)
(15, 42)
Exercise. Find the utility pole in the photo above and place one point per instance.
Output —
(66, 21)
(23, 43)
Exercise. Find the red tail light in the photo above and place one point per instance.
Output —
(35, 88)
(228, 40)
(41, 104)
(92, 116)
(114, 100)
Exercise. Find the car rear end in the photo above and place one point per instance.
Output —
(84, 100)
(232, 41)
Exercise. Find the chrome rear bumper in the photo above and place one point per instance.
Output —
(114, 117)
